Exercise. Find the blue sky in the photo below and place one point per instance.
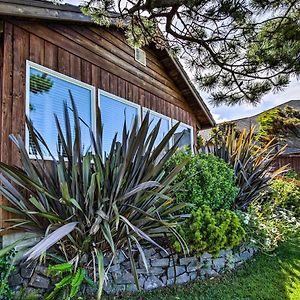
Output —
(224, 113)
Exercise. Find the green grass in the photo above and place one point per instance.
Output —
(266, 277)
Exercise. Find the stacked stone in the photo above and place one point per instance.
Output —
(162, 270)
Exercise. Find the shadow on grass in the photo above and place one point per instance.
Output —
(265, 277)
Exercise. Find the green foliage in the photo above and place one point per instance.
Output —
(292, 174)
(24, 294)
(209, 231)
(206, 179)
(268, 226)
(278, 123)
(236, 51)
(70, 281)
(286, 194)
(40, 84)
(251, 163)
(92, 203)
(6, 267)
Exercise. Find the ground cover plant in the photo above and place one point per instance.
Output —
(86, 205)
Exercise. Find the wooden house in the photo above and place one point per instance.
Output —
(47, 50)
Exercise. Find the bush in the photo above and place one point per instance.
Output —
(292, 174)
(286, 195)
(207, 180)
(5, 269)
(209, 231)
(267, 227)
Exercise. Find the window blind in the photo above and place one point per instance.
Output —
(114, 112)
(46, 98)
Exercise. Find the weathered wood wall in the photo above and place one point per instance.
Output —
(96, 56)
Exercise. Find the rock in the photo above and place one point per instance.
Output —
(142, 280)
(206, 255)
(106, 260)
(173, 259)
(152, 282)
(163, 254)
(113, 289)
(120, 257)
(149, 252)
(182, 278)
(126, 265)
(151, 271)
(194, 266)
(162, 262)
(27, 271)
(212, 273)
(205, 271)
(123, 278)
(236, 257)
(187, 260)
(115, 268)
(131, 288)
(39, 281)
(41, 270)
(164, 280)
(178, 271)
(219, 263)
(193, 275)
(245, 255)
(15, 280)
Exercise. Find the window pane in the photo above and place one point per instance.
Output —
(114, 113)
(186, 139)
(164, 126)
(47, 96)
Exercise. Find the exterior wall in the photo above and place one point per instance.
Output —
(97, 56)
(163, 270)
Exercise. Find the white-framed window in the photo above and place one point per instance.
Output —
(114, 111)
(46, 92)
(140, 56)
(187, 139)
(165, 125)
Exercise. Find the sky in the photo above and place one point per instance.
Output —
(225, 113)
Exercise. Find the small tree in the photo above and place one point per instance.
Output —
(279, 124)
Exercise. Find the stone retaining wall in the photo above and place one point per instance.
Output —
(163, 270)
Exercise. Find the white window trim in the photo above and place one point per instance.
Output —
(30, 64)
(174, 122)
(136, 49)
(155, 113)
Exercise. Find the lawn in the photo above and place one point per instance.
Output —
(273, 277)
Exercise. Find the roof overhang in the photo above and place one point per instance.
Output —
(41, 9)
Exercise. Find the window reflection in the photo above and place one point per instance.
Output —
(114, 112)
(47, 96)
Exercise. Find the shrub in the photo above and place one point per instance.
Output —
(87, 204)
(267, 227)
(209, 231)
(286, 194)
(252, 163)
(6, 293)
(292, 174)
(206, 180)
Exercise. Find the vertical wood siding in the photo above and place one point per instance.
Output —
(99, 57)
